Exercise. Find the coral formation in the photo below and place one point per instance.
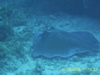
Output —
(5, 26)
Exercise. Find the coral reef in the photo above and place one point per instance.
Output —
(5, 26)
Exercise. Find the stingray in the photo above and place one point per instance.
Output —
(58, 43)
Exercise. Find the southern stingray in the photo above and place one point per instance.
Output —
(58, 43)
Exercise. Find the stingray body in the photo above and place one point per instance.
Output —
(55, 42)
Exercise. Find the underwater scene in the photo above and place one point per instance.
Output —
(49, 37)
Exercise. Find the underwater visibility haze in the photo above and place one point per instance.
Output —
(48, 37)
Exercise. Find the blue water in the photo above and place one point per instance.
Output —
(21, 19)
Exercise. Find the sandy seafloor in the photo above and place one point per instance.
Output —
(74, 65)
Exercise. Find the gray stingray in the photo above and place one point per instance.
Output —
(55, 42)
